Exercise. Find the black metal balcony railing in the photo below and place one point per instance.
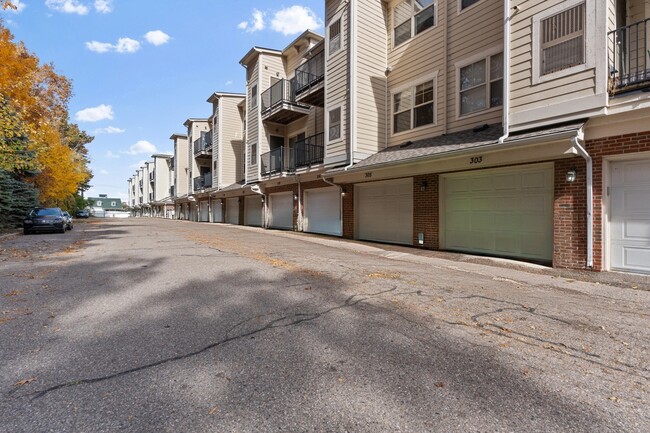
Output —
(310, 73)
(203, 145)
(276, 94)
(308, 152)
(629, 62)
(203, 181)
(273, 161)
(172, 190)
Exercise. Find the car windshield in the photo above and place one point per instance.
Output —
(46, 212)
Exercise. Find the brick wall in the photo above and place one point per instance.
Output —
(570, 215)
(348, 211)
(425, 210)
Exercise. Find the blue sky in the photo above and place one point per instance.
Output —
(139, 68)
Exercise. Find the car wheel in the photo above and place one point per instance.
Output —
(25, 231)
(62, 230)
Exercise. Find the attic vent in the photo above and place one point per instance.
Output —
(480, 128)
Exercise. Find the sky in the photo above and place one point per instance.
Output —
(140, 68)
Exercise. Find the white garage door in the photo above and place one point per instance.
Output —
(281, 215)
(217, 211)
(630, 216)
(385, 211)
(204, 211)
(253, 216)
(323, 211)
(505, 212)
(232, 210)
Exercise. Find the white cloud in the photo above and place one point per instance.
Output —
(94, 114)
(295, 19)
(141, 147)
(138, 164)
(109, 130)
(104, 6)
(157, 37)
(103, 172)
(111, 155)
(67, 6)
(19, 7)
(255, 24)
(127, 45)
(229, 83)
(123, 45)
(99, 47)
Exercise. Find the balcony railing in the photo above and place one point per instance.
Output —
(310, 73)
(310, 151)
(140, 182)
(203, 145)
(629, 51)
(273, 161)
(279, 103)
(152, 176)
(203, 181)
(150, 196)
(172, 190)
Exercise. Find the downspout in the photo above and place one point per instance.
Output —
(506, 70)
(353, 82)
(258, 191)
(299, 203)
(577, 140)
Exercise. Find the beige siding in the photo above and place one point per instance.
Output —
(371, 77)
(463, 43)
(337, 76)
(181, 168)
(252, 123)
(231, 135)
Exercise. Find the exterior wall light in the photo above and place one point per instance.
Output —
(571, 175)
(424, 185)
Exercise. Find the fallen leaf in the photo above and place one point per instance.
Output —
(439, 385)
(213, 410)
(25, 381)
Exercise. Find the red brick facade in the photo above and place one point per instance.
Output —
(570, 215)
(425, 211)
(348, 211)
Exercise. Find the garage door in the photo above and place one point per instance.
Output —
(204, 211)
(281, 210)
(253, 207)
(504, 212)
(385, 211)
(630, 216)
(217, 211)
(232, 210)
(323, 211)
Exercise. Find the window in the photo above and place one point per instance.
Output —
(562, 40)
(99, 203)
(481, 85)
(335, 124)
(254, 154)
(254, 96)
(335, 36)
(410, 18)
(113, 203)
(467, 3)
(413, 107)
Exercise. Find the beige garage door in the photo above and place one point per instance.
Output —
(385, 211)
(281, 210)
(232, 210)
(253, 206)
(323, 211)
(505, 212)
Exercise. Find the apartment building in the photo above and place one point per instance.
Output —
(181, 176)
(161, 179)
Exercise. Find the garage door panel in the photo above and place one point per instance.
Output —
(217, 211)
(385, 211)
(323, 211)
(458, 185)
(232, 210)
(281, 212)
(253, 206)
(511, 214)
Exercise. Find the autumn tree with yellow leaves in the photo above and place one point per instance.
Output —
(38, 144)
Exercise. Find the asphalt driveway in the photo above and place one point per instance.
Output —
(149, 325)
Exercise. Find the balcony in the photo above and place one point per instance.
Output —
(140, 182)
(203, 145)
(629, 63)
(310, 81)
(172, 190)
(152, 176)
(273, 161)
(279, 103)
(308, 152)
(202, 182)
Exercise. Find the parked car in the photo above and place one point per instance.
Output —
(44, 219)
(82, 214)
(68, 220)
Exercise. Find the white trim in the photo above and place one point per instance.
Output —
(412, 85)
(413, 35)
(353, 81)
(220, 144)
(327, 123)
(589, 37)
(485, 55)
(460, 10)
(336, 17)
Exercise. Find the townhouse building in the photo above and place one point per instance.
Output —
(161, 178)
(511, 128)
(181, 176)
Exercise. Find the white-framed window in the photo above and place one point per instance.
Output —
(113, 203)
(464, 4)
(334, 36)
(559, 40)
(253, 96)
(334, 128)
(480, 84)
(253, 160)
(99, 203)
(414, 105)
(412, 17)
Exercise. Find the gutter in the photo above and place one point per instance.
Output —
(578, 142)
(506, 70)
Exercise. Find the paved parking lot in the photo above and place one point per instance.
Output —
(166, 326)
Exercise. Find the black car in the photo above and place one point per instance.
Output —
(82, 214)
(44, 219)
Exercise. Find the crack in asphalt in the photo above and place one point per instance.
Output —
(293, 320)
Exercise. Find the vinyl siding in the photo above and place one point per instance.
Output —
(337, 76)
(371, 77)
(231, 135)
(463, 43)
(181, 167)
(252, 122)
